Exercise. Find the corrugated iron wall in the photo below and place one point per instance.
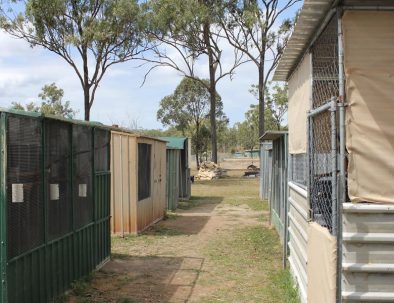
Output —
(128, 214)
(173, 169)
(265, 169)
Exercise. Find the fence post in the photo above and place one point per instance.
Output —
(334, 199)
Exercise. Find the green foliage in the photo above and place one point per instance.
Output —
(276, 104)
(52, 103)
(89, 35)
(188, 109)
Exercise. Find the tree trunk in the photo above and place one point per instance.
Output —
(197, 161)
(86, 87)
(86, 103)
(261, 96)
(212, 92)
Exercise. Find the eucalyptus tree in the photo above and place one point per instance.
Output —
(90, 35)
(188, 109)
(259, 29)
(186, 33)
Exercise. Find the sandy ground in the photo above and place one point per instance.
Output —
(171, 262)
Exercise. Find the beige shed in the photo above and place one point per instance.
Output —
(138, 181)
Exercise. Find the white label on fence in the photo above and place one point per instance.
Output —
(17, 193)
(83, 190)
(54, 192)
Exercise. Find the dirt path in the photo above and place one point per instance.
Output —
(196, 255)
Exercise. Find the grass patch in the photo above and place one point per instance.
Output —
(247, 261)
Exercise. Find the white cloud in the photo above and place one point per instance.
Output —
(24, 71)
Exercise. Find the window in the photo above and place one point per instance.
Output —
(144, 170)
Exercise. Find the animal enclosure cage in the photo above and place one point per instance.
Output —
(54, 204)
(277, 196)
(338, 64)
(138, 182)
(178, 170)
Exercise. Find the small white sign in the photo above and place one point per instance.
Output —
(54, 192)
(83, 190)
(17, 193)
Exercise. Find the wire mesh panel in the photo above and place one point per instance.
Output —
(298, 169)
(25, 213)
(58, 178)
(144, 170)
(322, 126)
(82, 184)
(101, 150)
(325, 65)
(321, 168)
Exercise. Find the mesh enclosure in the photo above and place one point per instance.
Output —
(325, 87)
(101, 150)
(25, 212)
(82, 183)
(144, 170)
(58, 178)
(298, 169)
(321, 167)
(325, 65)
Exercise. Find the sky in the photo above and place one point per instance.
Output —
(120, 98)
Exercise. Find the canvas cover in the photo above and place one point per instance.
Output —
(369, 67)
(300, 90)
(321, 267)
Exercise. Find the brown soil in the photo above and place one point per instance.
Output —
(170, 262)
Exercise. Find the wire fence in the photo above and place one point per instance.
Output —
(298, 169)
(322, 127)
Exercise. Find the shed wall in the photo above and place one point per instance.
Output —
(173, 163)
(298, 237)
(128, 214)
(369, 68)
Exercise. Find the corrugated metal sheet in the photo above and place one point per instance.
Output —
(128, 214)
(173, 165)
(311, 16)
(265, 169)
(175, 142)
(368, 259)
(298, 237)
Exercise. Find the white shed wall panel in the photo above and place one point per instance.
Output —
(368, 253)
(298, 237)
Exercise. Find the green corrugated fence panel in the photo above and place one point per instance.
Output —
(173, 162)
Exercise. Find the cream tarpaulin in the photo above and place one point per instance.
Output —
(299, 100)
(369, 67)
(321, 267)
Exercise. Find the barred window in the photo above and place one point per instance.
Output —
(144, 170)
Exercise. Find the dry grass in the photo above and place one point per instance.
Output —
(216, 248)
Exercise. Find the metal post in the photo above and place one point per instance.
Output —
(342, 155)
(333, 113)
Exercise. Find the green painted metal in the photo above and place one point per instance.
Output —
(45, 272)
(175, 142)
(173, 169)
